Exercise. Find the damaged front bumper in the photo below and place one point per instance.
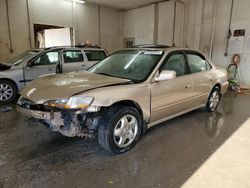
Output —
(71, 123)
(36, 114)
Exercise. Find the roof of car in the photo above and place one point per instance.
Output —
(77, 46)
(151, 47)
(157, 46)
(36, 49)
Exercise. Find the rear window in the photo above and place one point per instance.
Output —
(95, 55)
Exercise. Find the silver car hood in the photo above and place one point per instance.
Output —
(63, 86)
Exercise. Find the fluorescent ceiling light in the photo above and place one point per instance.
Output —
(79, 1)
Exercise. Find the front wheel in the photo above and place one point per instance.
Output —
(8, 91)
(120, 129)
(213, 100)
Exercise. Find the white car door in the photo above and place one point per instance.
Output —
(45, 64)
(73, 60)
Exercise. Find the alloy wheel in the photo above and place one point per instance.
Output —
(214, 100)
(125, 131)
(6, 92)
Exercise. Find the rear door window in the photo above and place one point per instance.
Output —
(197, 63)
(95, 55)
(72, 56)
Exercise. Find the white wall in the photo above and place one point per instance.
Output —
(84, 18)
(18, 26)
(240, 20)
(198, 22)
(198, 27)
(110, 29)
(3, 31)
(141, 24)
(166, 23)
(86, 23)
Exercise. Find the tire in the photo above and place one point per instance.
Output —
(213, 100)
(119, 129)
(8, 91)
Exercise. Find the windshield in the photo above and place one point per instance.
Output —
(20, 58)
(135, 65)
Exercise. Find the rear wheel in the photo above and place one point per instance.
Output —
(213, 100)
(8, 91)
(120, 129)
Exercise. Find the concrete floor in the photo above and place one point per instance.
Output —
(166, 156)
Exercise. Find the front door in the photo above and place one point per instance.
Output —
(171, 96)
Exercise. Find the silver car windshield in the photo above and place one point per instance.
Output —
(135, 65)
(20, 58)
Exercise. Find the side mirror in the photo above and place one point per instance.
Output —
(166, 75)
(29, 64)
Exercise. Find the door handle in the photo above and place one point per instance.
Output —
(50, 69)
(187, 86)
(83, 65)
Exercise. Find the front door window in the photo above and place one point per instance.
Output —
(47, 59)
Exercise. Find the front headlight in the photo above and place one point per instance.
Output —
(79, 102)
(75, 102)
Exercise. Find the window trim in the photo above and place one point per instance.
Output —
(208, 64)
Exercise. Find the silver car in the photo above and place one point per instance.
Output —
(32, 64)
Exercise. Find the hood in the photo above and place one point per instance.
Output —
(63, 86)
(4, 66)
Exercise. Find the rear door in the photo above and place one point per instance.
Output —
(201, 77)
(46, 63)
(171, 96)
(73, 60)
(93, 57)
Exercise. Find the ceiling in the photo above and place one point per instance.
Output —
(123, 4)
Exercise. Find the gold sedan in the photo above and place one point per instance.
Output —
(125, 94)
